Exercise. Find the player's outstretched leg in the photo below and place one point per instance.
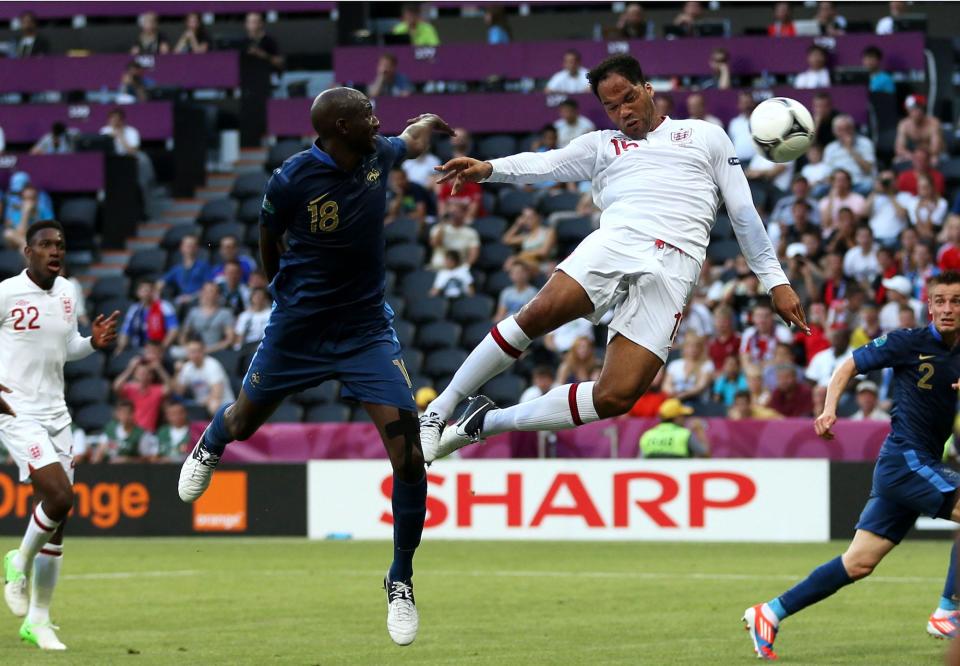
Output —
(37, 627)
(55, 494)
(232, 422)
(399, 431)
(763, 620)
(943, 622)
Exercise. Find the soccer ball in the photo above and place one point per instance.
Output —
(782, 129)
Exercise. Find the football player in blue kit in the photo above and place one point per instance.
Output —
(322, 247)
(909, 479)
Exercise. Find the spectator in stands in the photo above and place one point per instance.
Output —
(579, 364)
(843, 235)
(792, 234)
(817, 74)
(571, 124)
(30, 42)
(234, 294)
(923, 270)
(548, 139)
(649, 403)
(885, 210)
(860, 262)
(841, 195)
(461, 143)
(830, 22)
(632, 24)
(406, 199)
(3, 141)
(869, 327)
(570, 80)
(739, 127)
(420, 170)
(150, 319)
(411, 23)
(927, 210)
(697, 109)
(880, 80)
(729, 382)
(20, 212)
(725, 341)
(899, 292)
(252, 322)
(799, 191)
(173, 441)
(948, 256)
(561, 340)
(389, 82)
(209, 321)
(469, 197)
(671, 438)
(908, 240)
(782, 355)
(745, 408)
(454, 280)
(258, 43)
(663, 105)
(229, 250)
(835, 284)
(719, 78)
(774, 176)
(123, 441)
(126, 138)
(187, 277)
(519, 293)
(194, 38)
(867, 401)
(541, 381)
(535, 242)
(921, 166)
(144, 384)
(887, 25)
(689, 376)
(852, 152)
(133, 84)
(817, 172)
(791, 398)
(58, 141)
(782, 25)
(453, 233)
(919, 130)
(908, 317)
(686, 21)
(821, 367)
(760, 340)
(823, 115)
(204, 378)
(150, 41)
(258, 280)
(498, 29)
(888, 268)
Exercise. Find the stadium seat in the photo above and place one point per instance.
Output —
(497, 282)
(472, 308)
(473, 333)
(570, 232)
(847, 406)
(217, 210)
(489, 202)
(79, 219)
(248, 185)
(405, 332)
(438, 335)
(280, 151)
(950, 169)
(359, 415)
(401, 230)
(118, 363)
(91, 366)
(249, 210)
(87, 391)
(512, 202)
(229, 358)
(426, 309)
(722, 229)
(416, 284)
(490, 228)
(564, 201)
(442, 147)
(252, 237)
(151, 262)
(287, 412)
(173, 236)
(107, 306)
(493, 255)
(709, 409)
(214, 233)
(389, 282)
(497, 145)
(413, 360)
(420, 381)
(760, 193)
(504, 390)
(443, 362)
(335, 413)
(398, 304)
(111, 286)
(322, 394)
(479, 279)
(93, 418)
(11, 263)
(405, 257)
(720, 251)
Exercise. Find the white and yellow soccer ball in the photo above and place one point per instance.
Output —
(782, 129)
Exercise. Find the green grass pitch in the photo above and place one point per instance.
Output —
(291, 601)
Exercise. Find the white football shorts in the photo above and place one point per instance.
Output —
(33, 445)
(647, 280)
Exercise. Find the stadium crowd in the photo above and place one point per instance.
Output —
(858, 227)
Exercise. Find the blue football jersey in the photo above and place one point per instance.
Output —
(333, 221)
(924, 404)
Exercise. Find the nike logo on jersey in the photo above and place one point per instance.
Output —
(924, 357)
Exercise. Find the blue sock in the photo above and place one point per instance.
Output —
(216, 437)
(409, 511)
(820, 584)
(949, 599)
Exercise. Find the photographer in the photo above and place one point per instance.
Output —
(886, 210)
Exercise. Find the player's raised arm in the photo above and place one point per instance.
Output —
(838, 384)
(748, 227)
(419, 131)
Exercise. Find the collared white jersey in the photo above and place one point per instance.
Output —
(38, 334)
(668, 186)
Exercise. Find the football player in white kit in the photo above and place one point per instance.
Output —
(38, 334)
(659, 183)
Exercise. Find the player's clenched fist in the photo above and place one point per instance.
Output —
(4, 407)
(823, 424)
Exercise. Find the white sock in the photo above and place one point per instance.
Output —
(943, 612)
(495, 353)
(46, 570)
(770, 615)
(563, 407)
(39, 531)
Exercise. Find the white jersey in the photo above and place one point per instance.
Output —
(38, 334)
(667, 186)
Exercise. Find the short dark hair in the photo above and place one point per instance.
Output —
(572, 52)
(817, 47)
(543, 371)
(117, 111)
(572, 103)
(389, 56)
(873, 51)
(623, 64)
(233, 262)
(58, 128)
(548, 128)
(125, 403)
(946, 277)
(37, 227)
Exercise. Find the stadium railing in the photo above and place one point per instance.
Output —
(63, 10)
(26, 123)
(73, 172)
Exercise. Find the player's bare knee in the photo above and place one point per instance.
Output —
(611, 402)
(57, 502)
(859, 566)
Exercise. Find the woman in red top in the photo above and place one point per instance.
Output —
(147, 390)
(782, 25)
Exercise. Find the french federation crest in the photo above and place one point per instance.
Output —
(881, 341)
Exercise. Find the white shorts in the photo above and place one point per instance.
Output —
(33, 445)
(648, 282)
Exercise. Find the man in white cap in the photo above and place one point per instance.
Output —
(899, 292)
(867, 401)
